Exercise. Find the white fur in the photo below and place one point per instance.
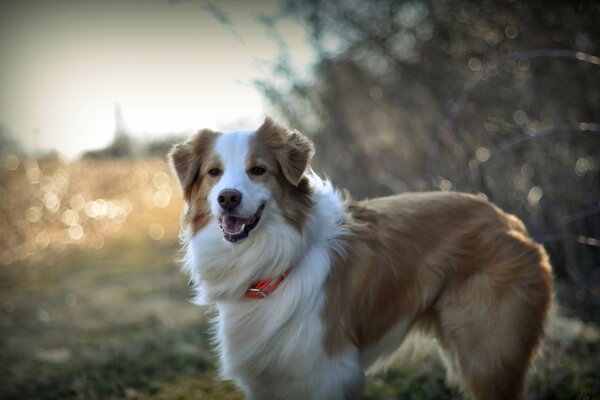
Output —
(233, 149)
(272, 347)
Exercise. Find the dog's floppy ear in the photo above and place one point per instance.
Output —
(292, 149)
(298, 151)
(186, 159)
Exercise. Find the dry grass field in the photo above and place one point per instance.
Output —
(93, 305)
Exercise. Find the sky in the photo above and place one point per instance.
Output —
(170, 66)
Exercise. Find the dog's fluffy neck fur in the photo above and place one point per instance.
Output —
(221, 271)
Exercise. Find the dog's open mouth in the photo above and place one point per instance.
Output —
(237, 228)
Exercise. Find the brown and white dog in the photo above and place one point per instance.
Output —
(312, 290)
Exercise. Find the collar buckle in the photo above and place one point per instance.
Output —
(263, 289)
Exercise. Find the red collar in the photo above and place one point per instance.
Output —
(263, 288)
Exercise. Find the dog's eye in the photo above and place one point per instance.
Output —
(214, 172)
(257, 171)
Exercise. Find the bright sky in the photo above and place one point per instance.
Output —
(64, 64)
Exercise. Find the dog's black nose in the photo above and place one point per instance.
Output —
(229, 199)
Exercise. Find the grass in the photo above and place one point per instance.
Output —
(113, 323)
(81, 321)
(116, 323)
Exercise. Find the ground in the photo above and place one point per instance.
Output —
(106, 314)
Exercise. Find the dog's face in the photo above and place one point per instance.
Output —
(238, 179)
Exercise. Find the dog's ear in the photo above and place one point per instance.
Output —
(292, 149)
(186, 159)
(294, 160)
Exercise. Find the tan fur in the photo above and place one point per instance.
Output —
(191, 161)
(285, 155)
(452, 265)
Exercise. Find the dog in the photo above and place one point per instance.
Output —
(313, 289)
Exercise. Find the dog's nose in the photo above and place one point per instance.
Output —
(229, 199)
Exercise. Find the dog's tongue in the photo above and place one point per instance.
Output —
(233, 225)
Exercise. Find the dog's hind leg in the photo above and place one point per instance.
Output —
(491, 320)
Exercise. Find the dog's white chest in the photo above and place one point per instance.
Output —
(279, 340)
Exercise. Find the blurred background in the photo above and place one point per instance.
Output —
(496, 98)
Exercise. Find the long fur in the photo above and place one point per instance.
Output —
(362, 276)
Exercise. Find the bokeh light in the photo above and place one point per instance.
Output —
(50, 206)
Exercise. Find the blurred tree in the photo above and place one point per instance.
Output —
(122, 145)
(8, 144)
(161, 146)
(498, 98)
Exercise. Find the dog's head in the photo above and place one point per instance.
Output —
(237, 180)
